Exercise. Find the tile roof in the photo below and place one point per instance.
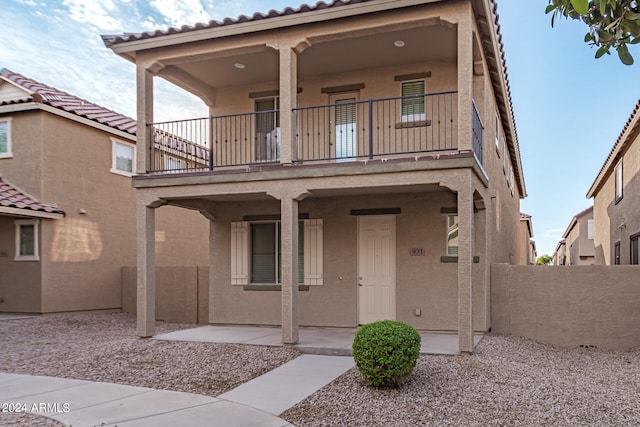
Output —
(44, 94)
(110, 40)
(632, 123)
(11, 197)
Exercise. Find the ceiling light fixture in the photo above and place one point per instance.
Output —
(239, 66)
(398, 43)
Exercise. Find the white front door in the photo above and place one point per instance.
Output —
(376, 268)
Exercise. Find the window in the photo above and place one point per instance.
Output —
(5, 138)
(27, 240)
(452, 235)
(266, 254)
(413, 101)
(634, 249)
(256, 256)
(498, 132)
(590, 229)
(123, 157)
(616, 253)
(618, 173)
(171, 163)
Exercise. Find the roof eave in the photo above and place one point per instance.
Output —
(187, 35)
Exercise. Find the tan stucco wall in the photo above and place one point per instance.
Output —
(609, 216)
(422, 282)
(27, 136)
(19, 280)
(182, 293)
(523, 247)
(580, 249)
(569, 305)
(81, 254)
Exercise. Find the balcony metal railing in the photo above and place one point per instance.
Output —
(477, 133)
(345, 131)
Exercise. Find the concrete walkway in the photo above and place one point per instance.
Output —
(255, 403)
(326, 341)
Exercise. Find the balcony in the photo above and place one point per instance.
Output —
(346, 131)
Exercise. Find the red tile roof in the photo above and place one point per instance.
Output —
(11, 197)
(44, 94)
(110, 40)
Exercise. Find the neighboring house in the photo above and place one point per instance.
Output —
(577, 241)
(526, 252)
(616, 198)
(560, 253)
(67, 208)
(360, 162)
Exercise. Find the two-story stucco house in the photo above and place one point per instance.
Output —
(360, 162)
(577, 244)
(616, 198)
(526, 251)
(67, 208)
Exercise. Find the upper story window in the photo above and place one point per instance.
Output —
(123, 157)
(27, 240)
(452, 235)
(619, 186)
(5, 138)
(590, 229)
(413, 108)
(498, 132)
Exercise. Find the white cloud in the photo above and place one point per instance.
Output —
(181, 12)
(97, 14)
(554, 232)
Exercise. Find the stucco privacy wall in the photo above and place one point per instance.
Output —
(568, 305)
(182, 293)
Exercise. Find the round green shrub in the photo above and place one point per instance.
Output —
(386, 351)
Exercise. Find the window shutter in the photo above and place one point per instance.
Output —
(240, 253)
(313, 252)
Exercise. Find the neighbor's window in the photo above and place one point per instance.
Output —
(616, 253)
(452, 235)
(590, 229)
(5, 138)
(413, 101)
(123, 157)
(634, 248)
(619, 181)
(266, 253)
(26, 240)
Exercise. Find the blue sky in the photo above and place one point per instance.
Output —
(569, 107)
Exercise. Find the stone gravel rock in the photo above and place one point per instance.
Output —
(104, 347)
(508, 381)
(31, 420)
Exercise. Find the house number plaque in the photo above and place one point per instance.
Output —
(416, 251)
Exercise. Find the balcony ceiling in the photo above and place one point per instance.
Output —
(337, 55)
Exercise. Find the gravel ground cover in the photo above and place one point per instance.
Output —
(104, 347)
(509, 381)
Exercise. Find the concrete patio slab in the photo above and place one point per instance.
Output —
(324, 341)
(280, 389)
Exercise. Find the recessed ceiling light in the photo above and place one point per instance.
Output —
(239, 65)
(398, 43)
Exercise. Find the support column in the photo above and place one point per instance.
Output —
(146, 310)
(465, 266)
(289, 249)
(465, 82)
(288, 102)
(144, 83)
